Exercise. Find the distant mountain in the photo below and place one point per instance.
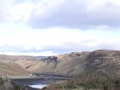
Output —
(41, 56)
(11, 69)
(77, 62)
(24, 61)
(72, 63)
(16, 65)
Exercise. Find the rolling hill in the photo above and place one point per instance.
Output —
(24, 61)
(77, 62)
(16, 65)
(72, 63)
(11, 69)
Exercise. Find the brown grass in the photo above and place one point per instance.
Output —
(11, 69)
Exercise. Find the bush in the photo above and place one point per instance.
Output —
(92, 80)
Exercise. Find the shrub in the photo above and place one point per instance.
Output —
(92, 80)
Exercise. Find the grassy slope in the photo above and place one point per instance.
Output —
(24, 61)
(11, 69)
(76, 63)
(72, 63)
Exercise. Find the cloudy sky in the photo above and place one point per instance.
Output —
(50, 27)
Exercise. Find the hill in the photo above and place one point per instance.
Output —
(24, 61)
(11, 69)
(71, 63)
(16, 65)
(104, 60)
(77, 62)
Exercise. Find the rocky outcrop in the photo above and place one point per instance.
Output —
(51, 59)
(104, 60)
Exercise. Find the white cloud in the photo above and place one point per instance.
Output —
(15, 12)
(61, 13)
(20, 12)
(26, 40)
(76, 14)
(58, 26)
(46, 8)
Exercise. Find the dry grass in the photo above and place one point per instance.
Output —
(11, 69)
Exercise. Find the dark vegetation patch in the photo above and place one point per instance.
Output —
(92, 80)
(6, 84)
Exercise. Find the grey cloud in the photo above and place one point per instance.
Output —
(65, 48)
(69, 47)
(69, 14)
(73, 14)
(81, 46)
(66, 15)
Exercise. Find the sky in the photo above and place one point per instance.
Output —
(51, 27)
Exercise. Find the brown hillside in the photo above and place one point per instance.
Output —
(104, 60)
(76, 62)
(71, 63)
(11, 69)
(24, 61)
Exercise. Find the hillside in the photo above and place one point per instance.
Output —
(71, 63)
(104, 60)
(24, 61)
(11, 69)
(16, 65)
(75, 63)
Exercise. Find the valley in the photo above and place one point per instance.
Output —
(55, 68)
